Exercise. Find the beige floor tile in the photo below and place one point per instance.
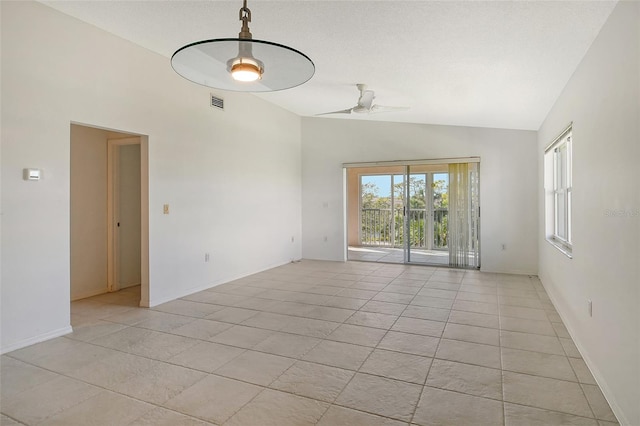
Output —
(531, 342)
(582, 371)
(410, 343)
(598, 403)
(477, 307)
(517, 415)
(162, 346)
(419, 326)
(399, 298)
(570, 348)
(538, 364)
(522, 312)
(42, 353)
(442, 407)
(105, 408)
(341, 416)
(255, 367)
(426, 312)
(18, 376)
(131, 317)
(232, 315)
(343, 302)
(241, 336)
(383, 307)
(372, 319)
(8, 421)
(310, 327)
(397, 365)
(364, 336)
(520, 301)
(269, 320)
(162, 417)
(379, 395)
(274, 408)
(256, 304)
(214, 398)
(469, 333)
(165, 322)
(202, 329)
(125, 339)
(313, 381)
(357, 293)
(188, 308)
(47, 399)
(475, 319)
(110, 371)
(542, 392)
(159, 383)
(561, 330)
(442, 285)
(368, 285)
(338, 354)
(527, 326)
(94, 328)
(206, 356)
(411, 290)
(465, 378)
(289, 345)
(432, 302)
(439, 293)
(476, 297)
(470, 353)
(328, 313)
(69, 361)
(215, 298)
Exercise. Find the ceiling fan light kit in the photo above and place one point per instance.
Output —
(243, 64)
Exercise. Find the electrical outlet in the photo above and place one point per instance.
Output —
(504, 247)
(165, 209)
(325, 238)
(590, 307)
(207, 257)
(292, 239)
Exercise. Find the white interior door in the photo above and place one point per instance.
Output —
(125, 213)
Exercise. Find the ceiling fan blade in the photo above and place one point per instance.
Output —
(384, 108)
(343, 111)
(366, 99)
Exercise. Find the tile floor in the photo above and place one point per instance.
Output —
(313, 343)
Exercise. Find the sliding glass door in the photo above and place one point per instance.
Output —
(404, 214)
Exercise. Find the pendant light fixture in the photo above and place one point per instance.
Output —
(243, 64)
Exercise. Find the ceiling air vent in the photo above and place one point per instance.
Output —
(217, 102)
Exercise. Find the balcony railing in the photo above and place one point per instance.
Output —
(384, 227)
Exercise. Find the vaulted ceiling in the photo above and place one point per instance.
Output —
(467, 63)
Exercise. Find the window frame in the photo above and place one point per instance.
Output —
(559, 159)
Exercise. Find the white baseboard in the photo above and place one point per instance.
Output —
(165, 299)
(595, 372)
(36, 339)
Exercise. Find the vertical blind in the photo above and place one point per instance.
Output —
(464, 215)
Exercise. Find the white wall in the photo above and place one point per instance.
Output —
(602, 99)
(508, 181)
(88, 221)
(232, 178)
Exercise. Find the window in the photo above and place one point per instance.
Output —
(558, 187)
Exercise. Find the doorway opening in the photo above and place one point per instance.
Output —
(109, 211)
(404, 213)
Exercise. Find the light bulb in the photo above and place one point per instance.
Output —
(246, 71)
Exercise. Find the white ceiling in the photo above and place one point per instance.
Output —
(466, 63)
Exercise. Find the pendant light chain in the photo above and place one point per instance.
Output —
(245, 17)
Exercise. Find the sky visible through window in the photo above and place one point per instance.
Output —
(383, 182)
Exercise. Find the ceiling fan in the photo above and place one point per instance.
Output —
(365, 104)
